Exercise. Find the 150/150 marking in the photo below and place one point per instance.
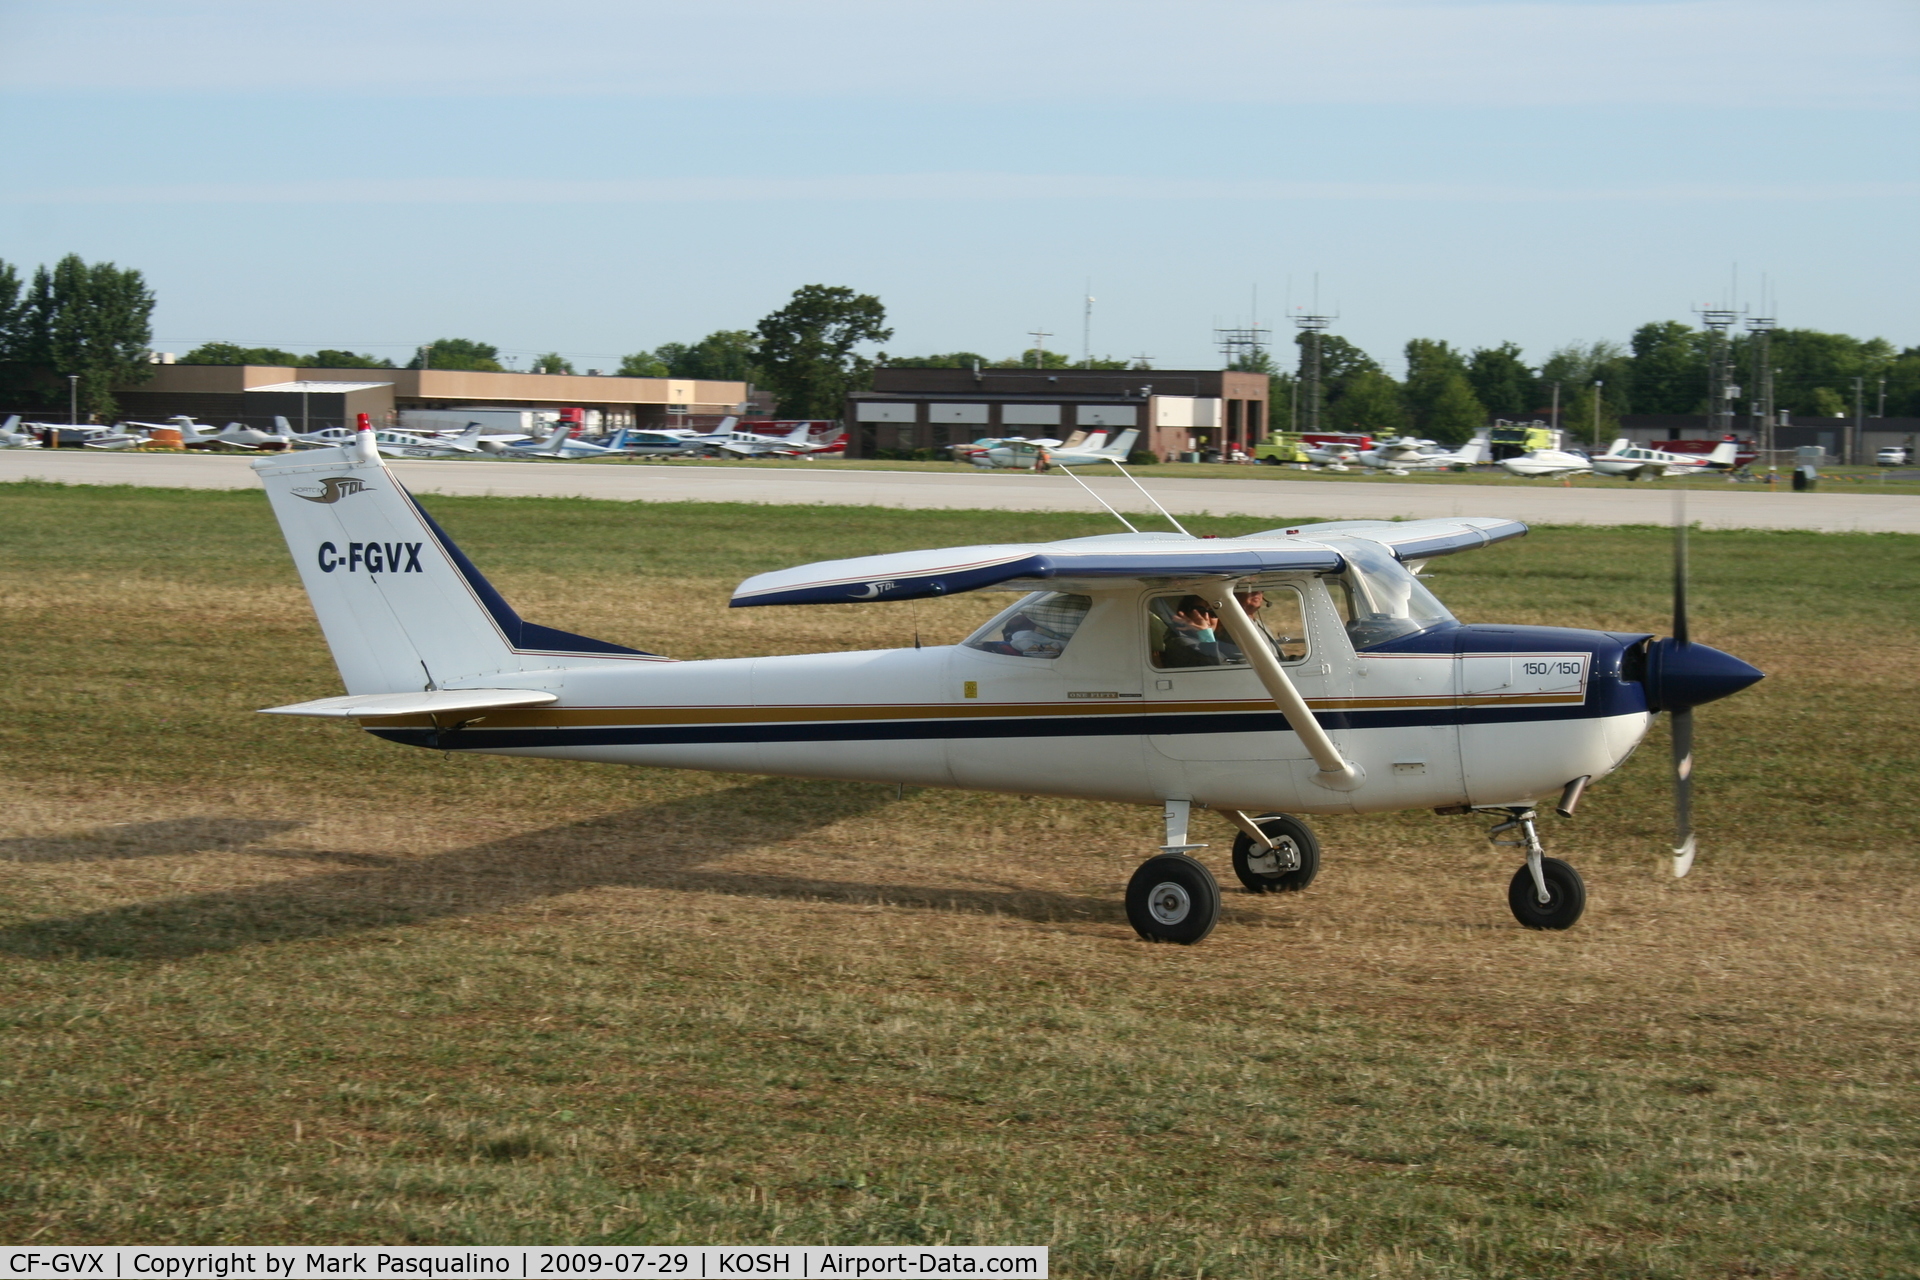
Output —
(1564, 667)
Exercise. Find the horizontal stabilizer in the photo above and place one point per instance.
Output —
(429, 702)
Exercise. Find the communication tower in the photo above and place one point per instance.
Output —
(1312, 326)
(1760, 404)
(1246, 344)
(1722, 391)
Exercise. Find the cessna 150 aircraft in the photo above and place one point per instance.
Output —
(1293, 672)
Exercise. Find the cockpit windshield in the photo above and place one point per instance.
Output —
(1378, 598)
(1039, 626)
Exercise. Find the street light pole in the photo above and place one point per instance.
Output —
(1554, 420)
(1597, 384)
(1853, 454)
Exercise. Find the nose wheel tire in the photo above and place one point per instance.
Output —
(1172, 898)
(1287, 869)
(1566, 896)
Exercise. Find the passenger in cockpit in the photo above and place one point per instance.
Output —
(1189, 639)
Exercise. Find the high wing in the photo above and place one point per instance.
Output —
(1414, 539)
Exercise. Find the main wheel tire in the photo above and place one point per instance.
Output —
(1172, 898)
(1566, 893)
(1286, 831)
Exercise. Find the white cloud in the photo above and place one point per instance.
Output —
(1453, 52)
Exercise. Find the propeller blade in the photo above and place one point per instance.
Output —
(1683, 847)
(1681, 719)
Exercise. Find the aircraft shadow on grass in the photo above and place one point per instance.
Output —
(655, 847)
(125, 840)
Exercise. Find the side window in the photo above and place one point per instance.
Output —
(1183, 631)
(1039, 626)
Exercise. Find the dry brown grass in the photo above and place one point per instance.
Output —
(272, 981)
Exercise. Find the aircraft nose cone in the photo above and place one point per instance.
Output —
(1687, 675)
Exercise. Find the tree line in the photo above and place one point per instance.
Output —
(91, 322)
(74, 330)
(1448, 393)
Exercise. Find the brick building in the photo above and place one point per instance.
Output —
(1177, 411)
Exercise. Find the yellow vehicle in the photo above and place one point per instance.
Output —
(1280, 448)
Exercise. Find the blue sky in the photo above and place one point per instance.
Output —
(599, 177)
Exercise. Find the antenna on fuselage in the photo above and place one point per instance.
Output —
(1149, 497)
(1097, 498)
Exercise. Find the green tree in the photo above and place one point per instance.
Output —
(552, 362)
(807, 348)
(644, 364)
(1501, 380)
(1439, 397)
(232, 353)
(461, 354)
(1811, 363)
(328, 358)
(93, 321)
(1340, 361)
(1036, 358)
(725, 355)
(1903, 384)
(12, 311)
(1669, 369)
(1368, 402)
(951, 360)
(1455, 414)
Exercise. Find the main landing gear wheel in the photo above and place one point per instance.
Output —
(1286, 869)
(1172, 898)
(1566, 896)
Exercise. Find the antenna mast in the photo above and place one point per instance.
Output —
(1721, 388)
(1312, 326)
(1040, 337)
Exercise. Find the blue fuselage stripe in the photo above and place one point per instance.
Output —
(1105, 726)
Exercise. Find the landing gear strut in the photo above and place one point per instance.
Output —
(1546, 893)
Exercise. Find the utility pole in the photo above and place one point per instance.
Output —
(1597, 384)
(1553, 417)
(73, 399)
(1853, 453)
(1881, 411)
(1312, 326)
(1040, 337)
(1086, 330)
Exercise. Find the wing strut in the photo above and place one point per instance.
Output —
(1336, 773)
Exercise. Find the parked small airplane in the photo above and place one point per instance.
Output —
(1037, 455)
(1399, 457)
(1294, 671)
(562, 442)
(728, 441)
(1624, 458)
(11, 437)
(1548, 462)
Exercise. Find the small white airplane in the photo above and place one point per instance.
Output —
(1548, 462)
(660, 442)
(561, 442)
(1348, 689)
(11, 437)
(1624, 458)
(1399, 457)
(728, 441)
(1038, 455)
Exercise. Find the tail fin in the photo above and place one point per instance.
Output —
(402, 609)
(1121, 447)
(1620, 446)
(801, 434)
(1724, 454)
(1473, 452)
(281, 425)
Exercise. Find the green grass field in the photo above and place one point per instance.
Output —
(270, 981)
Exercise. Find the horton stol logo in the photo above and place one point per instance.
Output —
(374, 557)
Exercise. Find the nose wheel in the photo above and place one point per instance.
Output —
(1546, 893)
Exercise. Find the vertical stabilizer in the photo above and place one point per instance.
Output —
(1724, 454)
(401, 607)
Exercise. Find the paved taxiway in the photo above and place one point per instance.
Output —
(1738, 507)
